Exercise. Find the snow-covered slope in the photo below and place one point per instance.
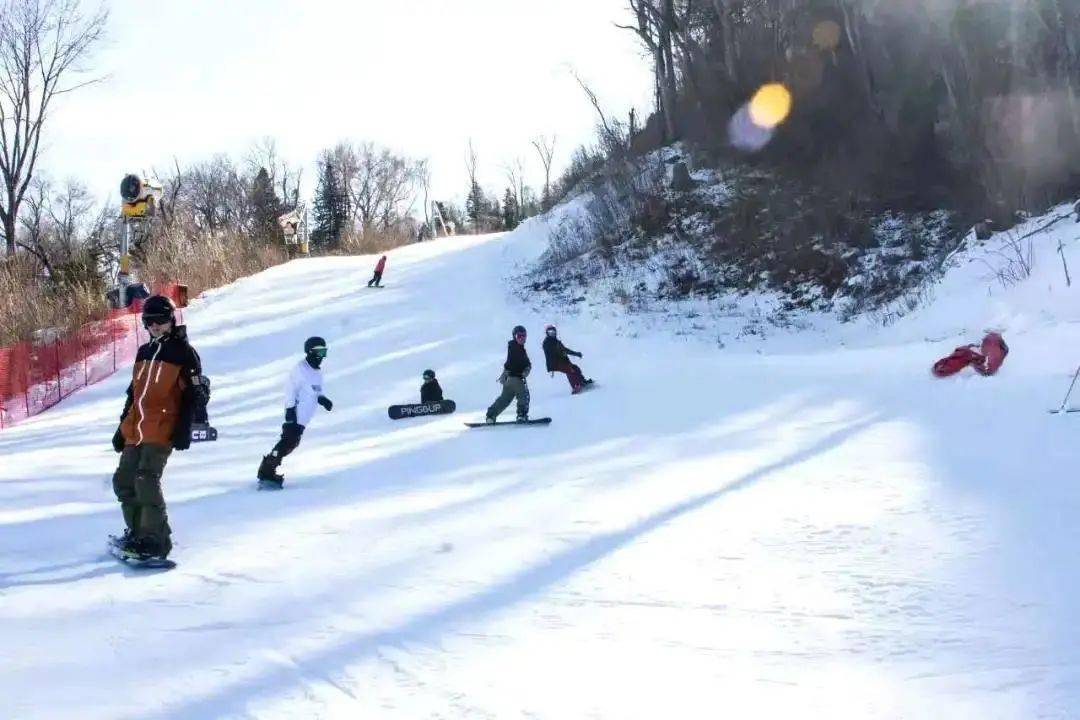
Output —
(823, 532)
(969, 298)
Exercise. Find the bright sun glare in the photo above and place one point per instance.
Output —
(770, 105)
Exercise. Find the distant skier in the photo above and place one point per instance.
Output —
(557, 356)
(377, 277)
(515, 370)
(430, 391)
(167, 390)
(303, 391)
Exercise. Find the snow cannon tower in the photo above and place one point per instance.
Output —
(294, 226)
(440, 226)
(140, 197)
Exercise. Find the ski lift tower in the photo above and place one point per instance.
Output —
(140, 198)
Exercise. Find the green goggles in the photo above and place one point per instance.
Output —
(319, 352)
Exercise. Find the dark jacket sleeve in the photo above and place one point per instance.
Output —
(189, 400)
(127, 402)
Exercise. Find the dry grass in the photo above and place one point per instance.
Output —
(371, 243)
(205, 262)
(29, 302)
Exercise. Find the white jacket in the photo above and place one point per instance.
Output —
(303, 390)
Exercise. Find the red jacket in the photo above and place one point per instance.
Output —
(381, 264)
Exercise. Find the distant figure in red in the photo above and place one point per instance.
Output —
(377, 277)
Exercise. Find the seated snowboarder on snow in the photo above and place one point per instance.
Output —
(515, 370)
(377, 277)
(557, 356)
(303, 391)
(167, 390)
(430, 391)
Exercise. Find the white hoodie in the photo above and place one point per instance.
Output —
(303, 390)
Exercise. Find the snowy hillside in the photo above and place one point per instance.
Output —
(805, 524)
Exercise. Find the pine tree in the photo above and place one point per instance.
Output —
(511, 214)
(329, 207)
(476, 207)
(265, 208)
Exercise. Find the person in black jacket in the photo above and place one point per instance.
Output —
(557, 356)
(515, 370)
(430, 391)
(167, 391)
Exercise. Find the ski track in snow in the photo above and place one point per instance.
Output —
(826, 532)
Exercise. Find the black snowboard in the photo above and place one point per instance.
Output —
(202, 432)
(113, 546)
(440, 407)
(537, 421)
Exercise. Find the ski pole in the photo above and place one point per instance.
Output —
(1073, 383)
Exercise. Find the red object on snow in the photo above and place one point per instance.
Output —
(986, 360)
(994, 351)
(961, 357)
(381, 264)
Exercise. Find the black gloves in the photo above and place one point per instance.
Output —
(576, 354)
(118, 441)
(325, 402)
(290, 415)
(200, 386)
(181, 439)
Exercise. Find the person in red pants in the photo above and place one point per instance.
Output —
(558, 355)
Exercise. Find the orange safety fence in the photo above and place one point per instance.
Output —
(37, 374)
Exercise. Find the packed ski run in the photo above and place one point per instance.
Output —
(807, 525)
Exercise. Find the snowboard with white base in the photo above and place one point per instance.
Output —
(504, 423)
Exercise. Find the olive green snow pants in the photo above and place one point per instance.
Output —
(514, 387)
(137, 484)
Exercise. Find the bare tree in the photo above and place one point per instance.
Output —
(214, 197)
(515, 176)
(68, 213)
(656, 26)
(471, 163)
(33, 220)
(611, 131)
(545, 148)
(285, 179)
(58, 226)
(42, 43)
(171, 195)
(379, 186)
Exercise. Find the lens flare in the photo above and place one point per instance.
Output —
(770, 105)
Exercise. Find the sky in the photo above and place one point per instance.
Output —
(189, 80)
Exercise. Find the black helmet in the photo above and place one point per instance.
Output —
(519, 330)
(429, 375)
(315, 346)
(158, 308)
